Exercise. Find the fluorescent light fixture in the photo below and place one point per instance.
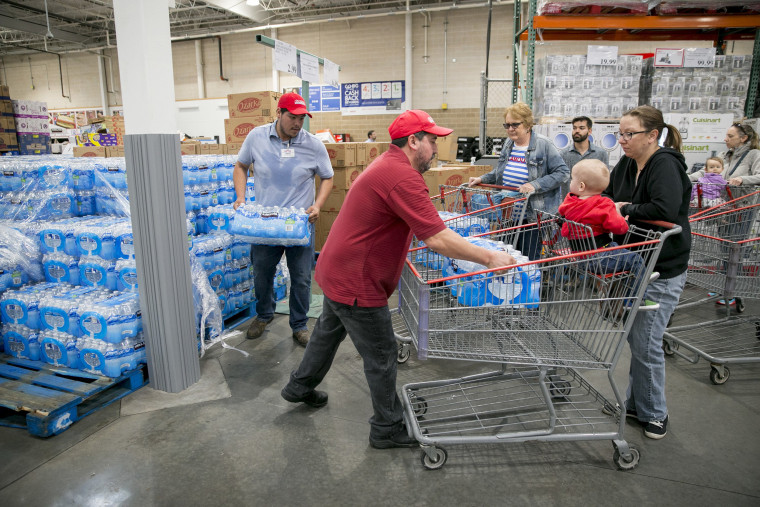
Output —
(252, 3)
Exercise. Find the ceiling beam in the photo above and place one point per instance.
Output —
(26, 26)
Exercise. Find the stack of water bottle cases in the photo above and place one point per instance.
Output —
(68, 283)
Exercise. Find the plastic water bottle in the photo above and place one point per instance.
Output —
(126, 275)
(59, 349)
(21, 342)
(60, 267)
(97, 272)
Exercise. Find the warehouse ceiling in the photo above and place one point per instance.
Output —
(63, 26)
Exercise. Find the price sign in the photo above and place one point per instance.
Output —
(309, 68)
(285, 59)
(699, 57)
(664, 57)
(602, 55)
(331, 73)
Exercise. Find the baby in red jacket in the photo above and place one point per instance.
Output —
(584, 204)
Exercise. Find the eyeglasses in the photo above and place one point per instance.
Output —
(740, 127)
(508, 126)
(629, 135)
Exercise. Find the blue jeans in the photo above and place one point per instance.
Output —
(646, 377)
(615, 261)
(300, 260)
(371, 330)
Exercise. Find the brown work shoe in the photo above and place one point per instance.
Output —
(256, 329)
(301, 337)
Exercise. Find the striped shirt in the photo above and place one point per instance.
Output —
(516, 171)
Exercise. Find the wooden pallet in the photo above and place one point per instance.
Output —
(47, 399)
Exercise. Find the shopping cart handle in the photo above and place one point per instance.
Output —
(654, 276)
(658, 223)
(649, 308)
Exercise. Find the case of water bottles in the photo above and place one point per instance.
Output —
(271, 225)
(519, 286)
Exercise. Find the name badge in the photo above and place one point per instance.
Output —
(288, 152)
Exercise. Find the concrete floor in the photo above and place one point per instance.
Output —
(231, 440)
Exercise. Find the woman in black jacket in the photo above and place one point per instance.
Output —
(650, 183)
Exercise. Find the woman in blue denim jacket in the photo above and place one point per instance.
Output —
(531, 163)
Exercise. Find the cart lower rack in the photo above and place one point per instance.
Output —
(542, 331)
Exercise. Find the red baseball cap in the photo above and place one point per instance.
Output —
(413, 121)
(293, 103)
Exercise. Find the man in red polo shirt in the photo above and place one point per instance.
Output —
(360, 265)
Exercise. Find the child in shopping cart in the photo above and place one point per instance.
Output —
(585, 205)
(711, 186)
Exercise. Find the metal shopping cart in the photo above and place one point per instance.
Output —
(724, 261)
(541, 339)
(711, 198)
(468, 211)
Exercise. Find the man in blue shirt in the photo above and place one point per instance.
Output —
(581, 148)
(285, 161)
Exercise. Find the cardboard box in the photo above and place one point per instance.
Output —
(233, 148)
(212, 149)
(447, 148)
(114, 151)
(5, 92)
(322, 228)
(342, 154)
(91, 139)
(373, 150)
(7, 124)
(334, 199)
(8, 140)
(89, 151)
(237, 129)
(253, 104)
(344, 177)
(361, 154)
(188, 148)
(451, 176)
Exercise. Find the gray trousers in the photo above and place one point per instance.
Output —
(371, 330)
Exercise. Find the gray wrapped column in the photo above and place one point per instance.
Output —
(157, 205)
(156, 195)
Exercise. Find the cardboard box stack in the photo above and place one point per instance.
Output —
(115, 125)
(8, 137)
(348, 160)
(32, 126)
(452, 175)
(248, 110)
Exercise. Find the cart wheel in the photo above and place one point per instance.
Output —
(740, 305)
(668, 348)
(403, 353)
(628, 464)
(560, 388)
(419, 405)
(435, 463)
(715, 377)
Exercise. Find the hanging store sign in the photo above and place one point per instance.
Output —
(309, 68)
(380, 97)
(602, 55)
(324, 99)
(285, 57)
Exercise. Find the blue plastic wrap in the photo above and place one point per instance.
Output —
(271, 225)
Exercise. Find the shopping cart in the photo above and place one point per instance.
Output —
(541, 340)
(717, 252)
(712, 198)
(728, 266)
(469, 211)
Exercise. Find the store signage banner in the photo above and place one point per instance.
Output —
(325, 99)
(699, 57)
(331, 73)
(309, 68)
(379, 97)
(664, 57)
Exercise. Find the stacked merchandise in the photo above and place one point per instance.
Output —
(8, 135)
(718, 90)
(114, 124)
(248, 110)
(348, 160)
(566, 86)
(594, 7)
(33, 127)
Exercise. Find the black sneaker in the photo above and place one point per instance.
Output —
(314, 399)
(398, 439)
(656, 429)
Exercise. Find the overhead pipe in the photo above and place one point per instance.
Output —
(221, 72)
(199, 70)
(444, 104)
(60, 73)
(426, 15)
(275, 72)
(408, 56)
